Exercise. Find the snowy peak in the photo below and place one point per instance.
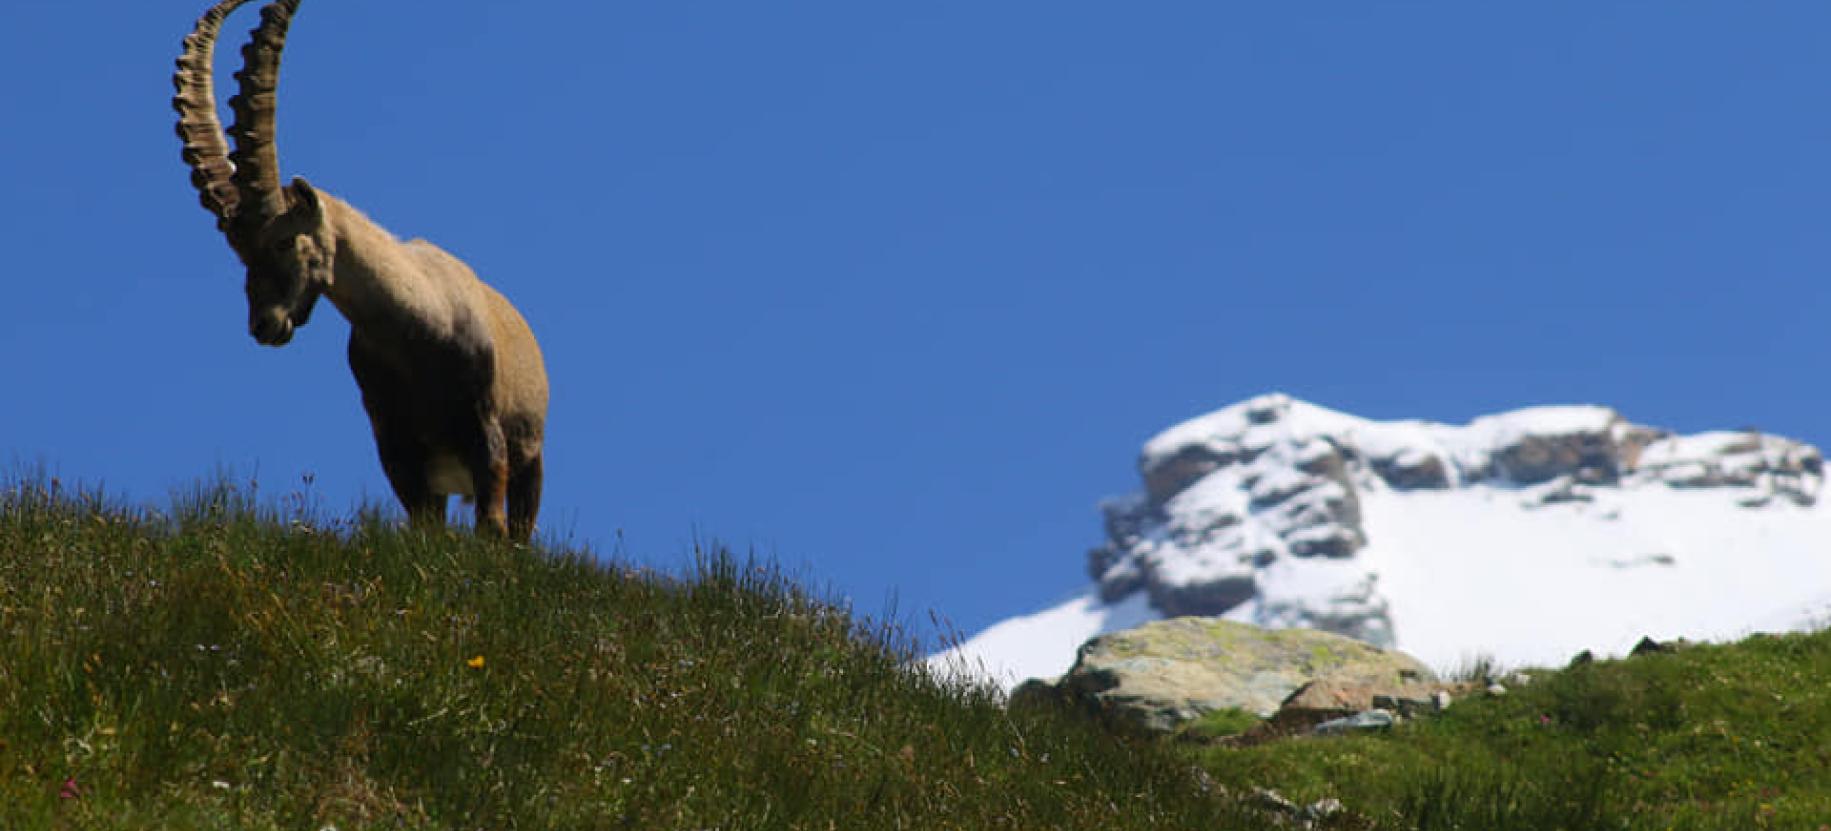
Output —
(1273, 481)
(1451, 540)
(1590, 445)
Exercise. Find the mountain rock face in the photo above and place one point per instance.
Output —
(1522, 536)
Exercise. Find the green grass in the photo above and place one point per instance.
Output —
(227, 667)
(1229, 721)
(1731, 736)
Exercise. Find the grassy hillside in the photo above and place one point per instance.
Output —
(1707, 737)
(222, 668)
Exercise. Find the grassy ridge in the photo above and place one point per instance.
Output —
(225, 669)
(1733, 736)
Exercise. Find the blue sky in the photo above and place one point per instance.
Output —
(893, 292)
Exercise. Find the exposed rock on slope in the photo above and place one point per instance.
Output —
(1162, 674)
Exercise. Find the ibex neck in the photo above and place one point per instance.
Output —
(378, 283)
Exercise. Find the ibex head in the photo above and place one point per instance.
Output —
(279, 232)
(288, 267)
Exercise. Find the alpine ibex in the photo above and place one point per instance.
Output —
(450, 374)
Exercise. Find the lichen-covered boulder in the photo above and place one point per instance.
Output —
(1168, 672)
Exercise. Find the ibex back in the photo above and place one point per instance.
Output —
(451, 376)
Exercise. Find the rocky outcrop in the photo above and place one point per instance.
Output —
(1165, 478)
(1410, 469)
(1588, 454)
(1274, 486)
(1766, 467)
(1164, 674)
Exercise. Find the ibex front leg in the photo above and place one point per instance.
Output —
(389, 399)
(405, 462)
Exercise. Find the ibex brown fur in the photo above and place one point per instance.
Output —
(451, 376)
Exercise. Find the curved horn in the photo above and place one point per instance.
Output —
(257, 163)
(206, 151)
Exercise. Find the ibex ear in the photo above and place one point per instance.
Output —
(305, 196)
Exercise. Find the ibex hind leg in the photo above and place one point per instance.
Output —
(488, 460)
(524, 499)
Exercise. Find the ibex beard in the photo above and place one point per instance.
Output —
(451, 376)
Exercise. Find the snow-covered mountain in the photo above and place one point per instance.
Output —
(1526, 536)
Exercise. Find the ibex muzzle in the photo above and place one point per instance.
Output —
(450, 374)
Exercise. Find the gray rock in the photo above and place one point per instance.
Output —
(1588, 457)
(1168, 477)
(1322, 809)
(1284, 811)
(1338, 542)
(1412, 470)
(1409, 706)
(1369, 720)
(1166, 673)
(1331, 698)
(1271, 800)
(1202, 599)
